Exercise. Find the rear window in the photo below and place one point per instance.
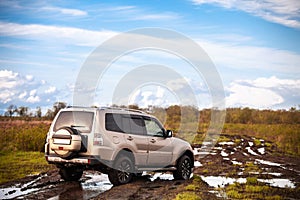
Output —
(82, 121)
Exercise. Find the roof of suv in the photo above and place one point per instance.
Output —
(113, 109)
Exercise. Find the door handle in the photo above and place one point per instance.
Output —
(130, 138)
(153, 141)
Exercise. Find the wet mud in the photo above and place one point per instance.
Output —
(230, 161)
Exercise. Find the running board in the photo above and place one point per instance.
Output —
(156, 168)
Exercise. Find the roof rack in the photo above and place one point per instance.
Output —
(125, 109)
(76, 107)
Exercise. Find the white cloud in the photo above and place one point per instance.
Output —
(75, 36)
(274, 82)
(32, 92)
(22, 95)
(263, 92)
(249, 96)
(134, 13)
(121, 8)
(251, 57)
(6, 96)
(152, 95)
(50, 90)
(33, 99)
(163, 16)
(29, 77)
(21, 89)
(8, 79)
(66, 11)
(286, 12)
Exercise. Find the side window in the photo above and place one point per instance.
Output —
(137, 126)
(153, 128)
(113, 122)
(124, 123)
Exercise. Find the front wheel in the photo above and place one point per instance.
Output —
(184, 168)
(122, 172)
(70, 173)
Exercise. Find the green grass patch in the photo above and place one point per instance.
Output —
(16, 165)
(254, 189)
(252, 180)
(187, 196)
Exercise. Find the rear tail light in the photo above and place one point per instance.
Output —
(98, 140)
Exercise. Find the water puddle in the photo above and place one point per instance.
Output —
(279, 182)
(265, 162)
(13, 192)
(197, 164)
(97, 182)
(236, 162)
(261, 150)
(221, 181)
(162, 176)
(18, 189)
(226, 143)
(251, 151)
(93, 184)
(224, 154)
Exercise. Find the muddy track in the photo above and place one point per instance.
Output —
(230, 161)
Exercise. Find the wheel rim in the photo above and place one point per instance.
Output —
(123, 171)
(186, 169)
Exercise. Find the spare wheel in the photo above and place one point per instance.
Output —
(66, 142)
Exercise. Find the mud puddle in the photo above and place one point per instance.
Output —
(50, 186)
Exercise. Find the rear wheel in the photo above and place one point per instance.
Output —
(184, 168)
(70, 173)
(122, 172)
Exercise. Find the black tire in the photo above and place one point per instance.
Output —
(139, 174)
(122, 171)
(184, 168)
(70, 173)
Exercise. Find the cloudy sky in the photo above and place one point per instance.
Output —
(253, 44)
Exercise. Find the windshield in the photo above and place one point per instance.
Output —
(79, 120)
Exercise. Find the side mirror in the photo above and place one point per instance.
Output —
(169, 133)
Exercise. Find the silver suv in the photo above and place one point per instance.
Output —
(119, 142)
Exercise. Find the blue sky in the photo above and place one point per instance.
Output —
(253, 44)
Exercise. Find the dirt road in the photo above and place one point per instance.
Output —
(232, 160)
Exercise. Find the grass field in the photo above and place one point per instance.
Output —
(16, 165)
(17, 135)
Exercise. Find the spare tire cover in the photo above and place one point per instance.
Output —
(66, 142)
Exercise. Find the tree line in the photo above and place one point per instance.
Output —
(25, 112)
(172, 115)
(175, 114)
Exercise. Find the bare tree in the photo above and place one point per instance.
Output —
(22, 111)
(11, 110)
(38, 112)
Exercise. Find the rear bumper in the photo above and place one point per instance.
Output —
(90, 160)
